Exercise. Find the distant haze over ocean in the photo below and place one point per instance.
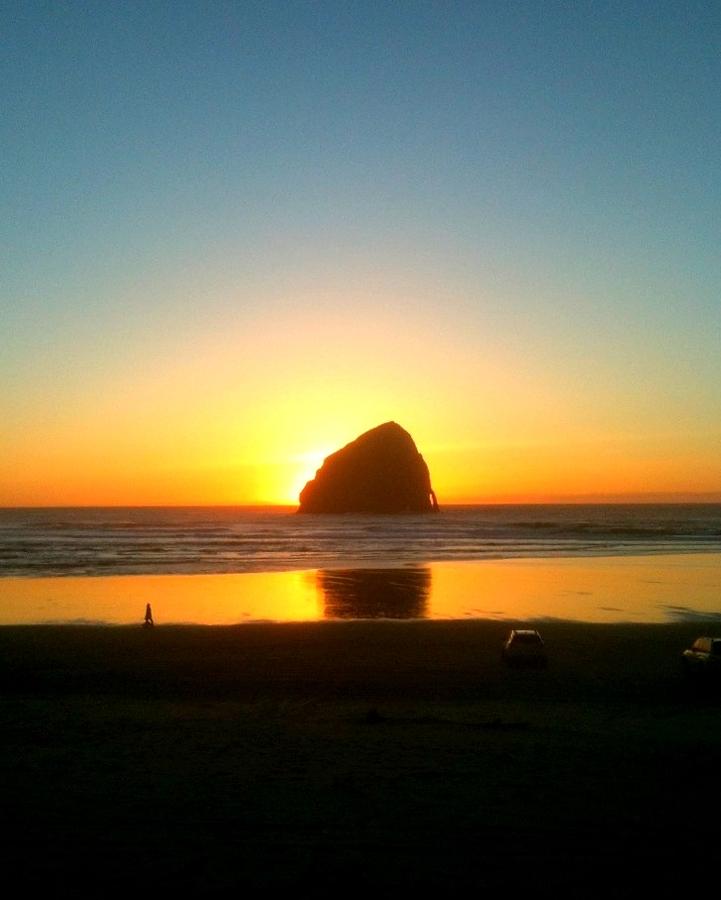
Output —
(187, 540)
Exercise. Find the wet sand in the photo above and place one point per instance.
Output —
(628, 588)
(357, 755)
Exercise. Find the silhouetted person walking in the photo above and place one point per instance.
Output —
(148, 617)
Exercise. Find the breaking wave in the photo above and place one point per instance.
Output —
(115, 541)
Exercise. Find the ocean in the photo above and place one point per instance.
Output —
(224, 566)
(41, 542)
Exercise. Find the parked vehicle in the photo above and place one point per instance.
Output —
(525, 647)
(703, 657)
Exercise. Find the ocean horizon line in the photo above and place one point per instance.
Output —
(680, 499)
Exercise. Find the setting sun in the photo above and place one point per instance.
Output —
(470, 251)
(245, 266)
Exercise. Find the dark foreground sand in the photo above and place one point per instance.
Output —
(354, 756)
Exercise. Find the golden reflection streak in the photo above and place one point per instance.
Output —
(590, 589)
(653, 588)
(200, 599)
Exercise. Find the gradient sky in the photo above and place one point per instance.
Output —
(237, 235)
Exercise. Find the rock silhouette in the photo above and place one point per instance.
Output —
(379, 472)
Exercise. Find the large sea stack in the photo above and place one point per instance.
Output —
(379, 472)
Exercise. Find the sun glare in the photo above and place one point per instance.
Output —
(306, 466)
(280, 483)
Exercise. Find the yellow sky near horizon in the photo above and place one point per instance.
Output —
(112, 469)
(247, 416)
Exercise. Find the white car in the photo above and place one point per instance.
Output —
(703, 657)
(525, 647)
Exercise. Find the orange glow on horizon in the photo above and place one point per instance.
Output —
(485, 474)
(246, 420)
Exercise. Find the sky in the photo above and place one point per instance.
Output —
(237, 235)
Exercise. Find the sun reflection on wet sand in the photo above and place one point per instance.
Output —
(175, 599)
(592, 589)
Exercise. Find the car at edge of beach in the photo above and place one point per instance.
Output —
(703, 657)
(524, 647)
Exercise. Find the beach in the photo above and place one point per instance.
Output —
(352, 755)
(350, 725)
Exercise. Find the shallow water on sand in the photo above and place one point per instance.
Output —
(644, 588)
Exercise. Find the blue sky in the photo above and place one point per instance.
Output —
(537, 182)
